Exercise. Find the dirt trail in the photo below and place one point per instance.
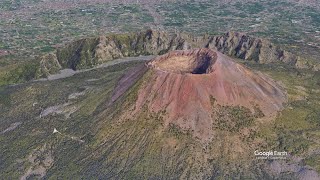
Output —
(64, 73)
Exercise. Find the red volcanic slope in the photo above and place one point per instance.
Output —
(183, 81)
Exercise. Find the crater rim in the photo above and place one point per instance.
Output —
(192, 61)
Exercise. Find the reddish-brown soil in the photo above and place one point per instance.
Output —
(182, 83)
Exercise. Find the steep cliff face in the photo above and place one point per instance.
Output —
(249, 48)
(49, 64)
(89, 52)
(92, 51)
(79, 54)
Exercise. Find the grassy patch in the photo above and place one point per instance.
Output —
(314, 161)
(232, 118)
(20, 72)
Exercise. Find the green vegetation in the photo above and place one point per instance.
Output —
(139, 146)
(175, 130)
(20, 72)
(5, 99)
(292, 142)
(78, 55)
(232, 118)
(35, 33)
(128, 146)
(296, 128)
(25, 102)
(251, 8)
(314, 161)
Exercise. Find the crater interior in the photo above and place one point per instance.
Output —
(192, 62)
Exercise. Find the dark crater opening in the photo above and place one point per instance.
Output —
(203, 67)
(197, 61)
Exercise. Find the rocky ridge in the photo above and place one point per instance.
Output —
(89, 52)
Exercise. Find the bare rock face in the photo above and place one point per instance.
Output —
(49, 64)
(188, 84)
(248, 48)
(89, 52)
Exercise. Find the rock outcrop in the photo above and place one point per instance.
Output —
(93, 51)
(249, 48)
(49, 64)
(89, 52)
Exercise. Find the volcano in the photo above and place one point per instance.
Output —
(159, 106)
(188, 85)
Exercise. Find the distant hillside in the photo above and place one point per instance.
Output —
(89, 52)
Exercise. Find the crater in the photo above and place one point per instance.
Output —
(191, 86)
(198, 61)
